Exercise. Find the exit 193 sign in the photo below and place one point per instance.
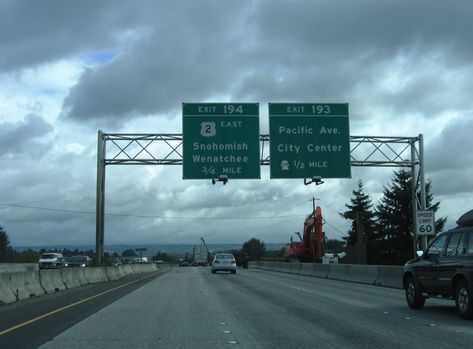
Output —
(309, 140)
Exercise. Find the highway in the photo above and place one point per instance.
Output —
(192, 308)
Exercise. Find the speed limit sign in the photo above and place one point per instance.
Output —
(425, 223)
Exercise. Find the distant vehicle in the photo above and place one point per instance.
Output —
(184, 263)
(444, 270)
(200, 254)
(116, 261)
(140, 260)
(51, 261)
(224, 262)
(79, 261)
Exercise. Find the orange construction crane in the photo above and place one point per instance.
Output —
(311, 246)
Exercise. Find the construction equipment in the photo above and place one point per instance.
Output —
(310, 248)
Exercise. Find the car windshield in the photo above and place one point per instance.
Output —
(437, 245)
(48, 256)
(298, 148)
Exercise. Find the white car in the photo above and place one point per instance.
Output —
(224, 262)
(51, 261)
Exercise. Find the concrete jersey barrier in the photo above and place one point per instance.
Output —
(95, 274)
(112, 273)
(307, 269)
(389, 276)
(51, 280)
(365, 274)
(6, 293)
(25, 284)
(321, 270)
(20, 285)
(14, 267)
(73, 277)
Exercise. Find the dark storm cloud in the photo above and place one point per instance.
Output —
(273, 50)
(40, 31)
(400, 64)
(187, 57)
(452, 140)
(333, 50)
(22, 137)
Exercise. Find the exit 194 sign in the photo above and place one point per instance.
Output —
(220, 139)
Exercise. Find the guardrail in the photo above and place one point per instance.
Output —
(25, 282)
(379, 275)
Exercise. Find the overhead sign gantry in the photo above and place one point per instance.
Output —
(222, 139)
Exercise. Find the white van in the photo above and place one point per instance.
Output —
(51, 260)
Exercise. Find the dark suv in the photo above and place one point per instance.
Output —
(444, 270)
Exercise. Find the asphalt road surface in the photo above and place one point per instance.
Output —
(192, 308)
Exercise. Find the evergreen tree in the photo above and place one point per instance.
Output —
(429, 198)
(254, 249)
(5, 248)
(394, 221)
(359, 211)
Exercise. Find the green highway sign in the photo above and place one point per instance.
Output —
(220, 139)
(309, 140)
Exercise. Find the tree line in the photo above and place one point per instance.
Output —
(387, 228)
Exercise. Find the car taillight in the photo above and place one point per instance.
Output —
(233, 262)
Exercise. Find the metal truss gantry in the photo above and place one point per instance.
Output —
(166, 149)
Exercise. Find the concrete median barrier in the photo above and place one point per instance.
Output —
(112, 273)
(73, 277)
(126, 269)
(6, 293)
(365, 274)
(389, 276)
(136, 268)
(14, 267)
(51, 280)
(273, 266)
(95, 274)
(283, 267)
(295, 268)
(25, 284)
(307, 269)
(277, 266)
(320, 270)
(338, 271)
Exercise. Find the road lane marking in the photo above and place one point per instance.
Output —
(26, 323)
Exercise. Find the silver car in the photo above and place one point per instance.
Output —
(224, 262)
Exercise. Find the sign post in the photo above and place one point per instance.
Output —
(309, 140)
(220, 140)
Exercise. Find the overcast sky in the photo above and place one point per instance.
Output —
(71, 68)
